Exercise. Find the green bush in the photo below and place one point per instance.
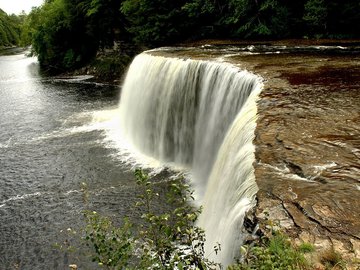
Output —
(165, 240)
(275, 252)
(170, 239)
(306, 248)
(113, 246)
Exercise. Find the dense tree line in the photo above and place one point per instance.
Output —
(10, 29)
(67, 33)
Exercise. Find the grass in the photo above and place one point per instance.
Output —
(332, 260)
(274, 252)
(306, 248)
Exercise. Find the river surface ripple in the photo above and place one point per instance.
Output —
(49, 145)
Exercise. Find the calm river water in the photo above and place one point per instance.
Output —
(49, 145)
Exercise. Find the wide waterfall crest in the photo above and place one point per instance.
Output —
(200, 115)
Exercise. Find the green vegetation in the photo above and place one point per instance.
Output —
(67, 34)
(10, 29)
(160, 240)
(306, 248)
(275, 252)
(110, 65)
(169, 239)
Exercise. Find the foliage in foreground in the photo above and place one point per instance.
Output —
(274, 252)
(167, 240)
(170, 239)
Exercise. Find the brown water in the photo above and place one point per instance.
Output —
(309, 135)
(307, 148)
(307, 138)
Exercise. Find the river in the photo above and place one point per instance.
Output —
(49, 145)
(58, 133)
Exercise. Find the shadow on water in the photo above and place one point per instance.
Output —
(330, 76)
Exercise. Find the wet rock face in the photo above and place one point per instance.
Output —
(308, 147)
(307, 139)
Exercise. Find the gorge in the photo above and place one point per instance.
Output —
(268, 129)
(307, 144)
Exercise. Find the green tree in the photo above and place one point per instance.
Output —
(52, 36)
(10, 28)
(29, 26)
(343, 18)
(202, 16)
(67, 34)
(316, 16)
(104, 20)
(157, 22)
(257, 18)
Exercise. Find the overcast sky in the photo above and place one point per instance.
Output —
(16, 6)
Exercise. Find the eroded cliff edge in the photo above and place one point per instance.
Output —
(308, 149)
(307, 138)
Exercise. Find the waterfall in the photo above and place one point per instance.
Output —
(231, 187)
(199, 115)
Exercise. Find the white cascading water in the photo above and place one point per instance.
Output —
(200, 115)
(231, 187)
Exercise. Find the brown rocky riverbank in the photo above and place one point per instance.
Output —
(308, 149)
(307, 138)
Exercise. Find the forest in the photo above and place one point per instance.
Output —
(67, 34)
(10, 29)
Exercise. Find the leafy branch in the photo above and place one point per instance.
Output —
(165, 240)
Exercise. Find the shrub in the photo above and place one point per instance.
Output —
(167, 240)
(275, 252)
(170, 239)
